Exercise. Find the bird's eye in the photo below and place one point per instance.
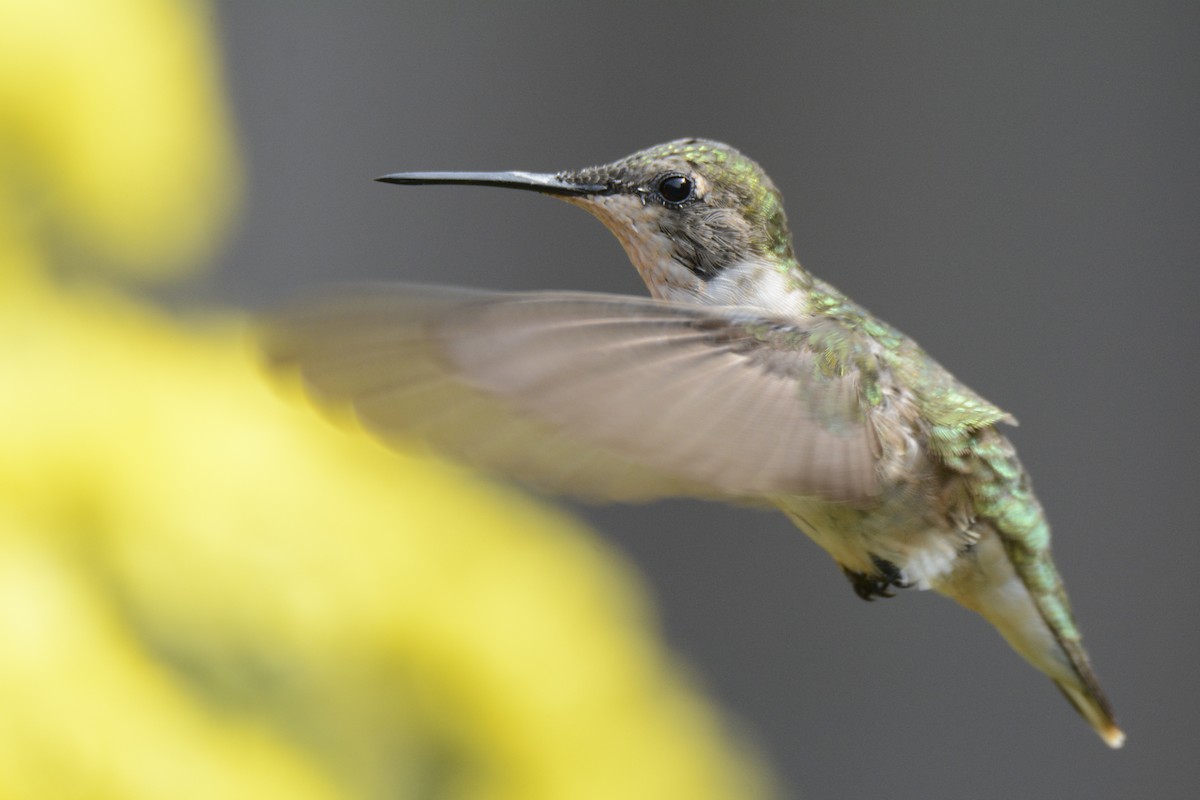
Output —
(675, 188)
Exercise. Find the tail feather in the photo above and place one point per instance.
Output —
(995, 589)
(1080, 686)
(1086, 695)
(1093, 707)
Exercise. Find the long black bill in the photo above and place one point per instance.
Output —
(536, 182)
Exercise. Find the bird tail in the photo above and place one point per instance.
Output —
(1077, 681)
(1085, 694)
(1038, 625)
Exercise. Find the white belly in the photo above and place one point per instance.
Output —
(924, 550)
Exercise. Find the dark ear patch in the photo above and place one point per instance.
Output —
(708, 238)
(698, 249)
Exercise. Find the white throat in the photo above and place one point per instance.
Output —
(755, 282)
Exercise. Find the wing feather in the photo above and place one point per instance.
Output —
(602, 396)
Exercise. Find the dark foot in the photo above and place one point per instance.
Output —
(879, 583)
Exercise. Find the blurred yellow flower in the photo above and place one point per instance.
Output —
(205, 590)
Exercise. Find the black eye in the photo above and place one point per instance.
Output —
(675, 188)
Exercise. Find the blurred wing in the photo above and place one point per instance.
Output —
(602, 396)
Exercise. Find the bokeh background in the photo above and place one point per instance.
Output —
(1014, 186)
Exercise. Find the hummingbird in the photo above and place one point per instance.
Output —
(742, 378)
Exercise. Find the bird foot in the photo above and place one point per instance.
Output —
(868, 586)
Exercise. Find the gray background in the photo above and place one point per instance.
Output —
(1015, 187)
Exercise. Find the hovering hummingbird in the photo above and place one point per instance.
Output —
(744, 378)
